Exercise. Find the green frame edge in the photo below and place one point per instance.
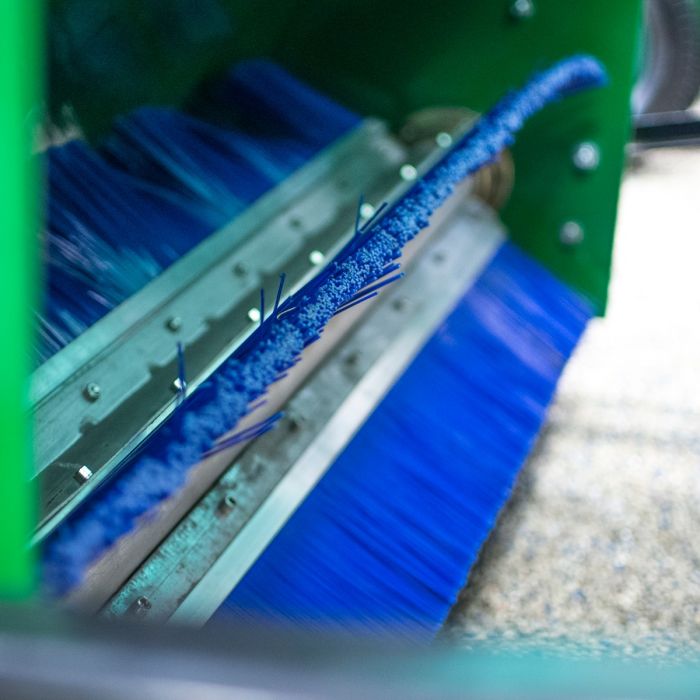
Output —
(21, 78)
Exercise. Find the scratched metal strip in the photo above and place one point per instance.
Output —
(202, 301)
(195, 568)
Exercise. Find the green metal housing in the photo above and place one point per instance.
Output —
(391, 58)
(387, 58)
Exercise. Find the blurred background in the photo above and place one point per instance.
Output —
(598, 544)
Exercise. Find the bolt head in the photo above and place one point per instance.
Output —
(352, 358)
(83, 474)
(367, 211)
(227, 503)
(240, 269)
(571, 233)
(140, 606)
(399, 304)
(443, 139)
(92, 391)
(408, 172)
(294, 421)
(522, 9)
(174, 324)
(316, 257)
(586, 156)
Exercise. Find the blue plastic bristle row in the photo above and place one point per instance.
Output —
(384, 542)
(219, 403)
(266, 100)
(224, 169)
(105, 238)
(160, 183)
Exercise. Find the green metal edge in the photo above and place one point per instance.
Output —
(20, 91)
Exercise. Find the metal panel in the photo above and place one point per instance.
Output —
(389, 58)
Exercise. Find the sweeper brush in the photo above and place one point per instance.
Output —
(287, 288)
(307, 275)
(393, 479)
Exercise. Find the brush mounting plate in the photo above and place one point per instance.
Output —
(194, 569)
(99, 398)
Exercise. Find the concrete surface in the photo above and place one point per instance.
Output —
(599, 548)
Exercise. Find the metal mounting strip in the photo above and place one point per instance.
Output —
(97, 400)
(190, 574)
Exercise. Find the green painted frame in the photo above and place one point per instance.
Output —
(20, 94)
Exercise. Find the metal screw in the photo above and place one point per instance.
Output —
(254, 315)
(408, 172)
(399, 304)
(83, 474)
(316, 257)
(571, 233)
(177, 386)
(522, 9)
(140, 606)
(352, 358)
(240, 269)
(586, 156)
(293, 421)
(227, 503)
(92, 391)
(367, 211)
(443, 139)
(253, 469)
(174, 324)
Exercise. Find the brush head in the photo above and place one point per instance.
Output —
(278, 343)
(384, 543)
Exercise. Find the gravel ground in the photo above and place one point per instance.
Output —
(599, 548)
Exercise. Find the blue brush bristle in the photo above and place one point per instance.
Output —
(107, 234)
(160, 183)
(220, 402)
(266, 100)
(385, 541)
(223, 169)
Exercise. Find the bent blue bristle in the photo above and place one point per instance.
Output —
(255, 430)
(219, 403)
(385, 541)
